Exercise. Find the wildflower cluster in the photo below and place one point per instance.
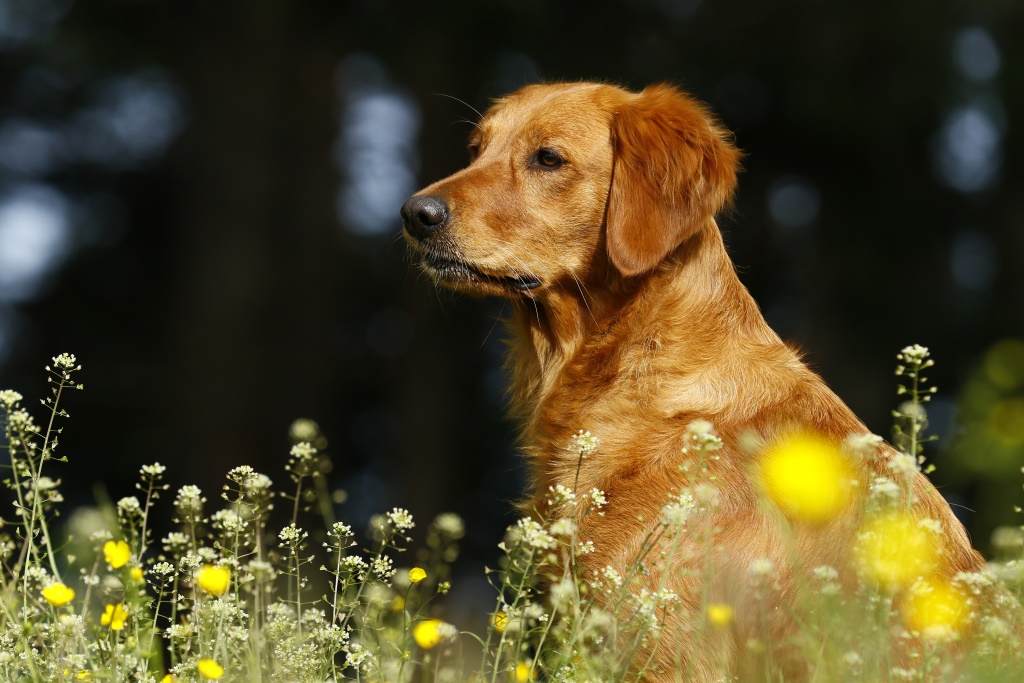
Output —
(911, 416)
(902, 572)
(234, 594)
(223, 597)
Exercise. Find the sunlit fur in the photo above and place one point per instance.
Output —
(641, 325)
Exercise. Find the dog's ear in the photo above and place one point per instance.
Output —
(674, 169)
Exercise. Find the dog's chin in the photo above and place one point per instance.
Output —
(465, 277)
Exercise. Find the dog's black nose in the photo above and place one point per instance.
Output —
(424, 215)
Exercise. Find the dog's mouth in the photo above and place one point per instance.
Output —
(453, 271)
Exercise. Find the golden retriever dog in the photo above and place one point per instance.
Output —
(593, 208)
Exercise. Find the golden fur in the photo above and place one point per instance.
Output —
(631, 322)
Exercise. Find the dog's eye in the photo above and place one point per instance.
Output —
(547, 158)
(474, 151)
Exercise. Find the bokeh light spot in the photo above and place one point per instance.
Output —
(1004, 364)
(1006, 421)
(976, 54)
(794, 203)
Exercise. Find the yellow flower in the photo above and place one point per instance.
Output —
(935, 609)
(210, 669)
(427, 633)
(114, 616)
(58, 595)
(500, 621)
(720, 615)
(416, 574)
(84, 676)
(136, 573)
(213, 580)
(397, 603)
(169, 678)
(807, 476)
(522, 673)
(896, 549)
(117, 553)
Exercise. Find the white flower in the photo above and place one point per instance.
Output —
(762, 567)
(163, 569)
(566, 674)
(292, 535)
(71, 624)
(584, 443)
(561, 495)
(260, 569)
(129, 505)
(21, 421)
(356, 565)
(9, 397)
(228, 520)
(829, 578)
(303, 451)
(65, 361)
(611, 576)
(882, 487)
(864, 445)
(825, 573)
(304, 430)
(913, 354)
(46, 483)
(154, 470)
(902, 462)
(585, 548)
(249, 479)
(175, 542)
(280, 612)
(190, 500)
(996, 628)
(383, 567)
(975, 580)
(209, 555)
(450, 524)
(700, 436)
(447, 631)
(598, 497)
(358, 657)
(190, 562)
(1008, 539)
(401, 519)
(534, 535)
(679, 510)
(179, 631)
(341, 531)
(665, 597)
(707, 495)
(563, 527)
(562, 594)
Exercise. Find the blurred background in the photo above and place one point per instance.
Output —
(200, 200)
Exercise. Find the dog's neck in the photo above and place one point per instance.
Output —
(695, 290)
(682, 340)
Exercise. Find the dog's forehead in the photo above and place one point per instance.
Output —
(565, 109)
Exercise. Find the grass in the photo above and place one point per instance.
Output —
(236, 594)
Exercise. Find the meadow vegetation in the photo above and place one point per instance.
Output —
(242, 590)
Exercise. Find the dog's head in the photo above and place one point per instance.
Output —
(567, 180)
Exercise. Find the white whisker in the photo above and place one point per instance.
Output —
(452, 97)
